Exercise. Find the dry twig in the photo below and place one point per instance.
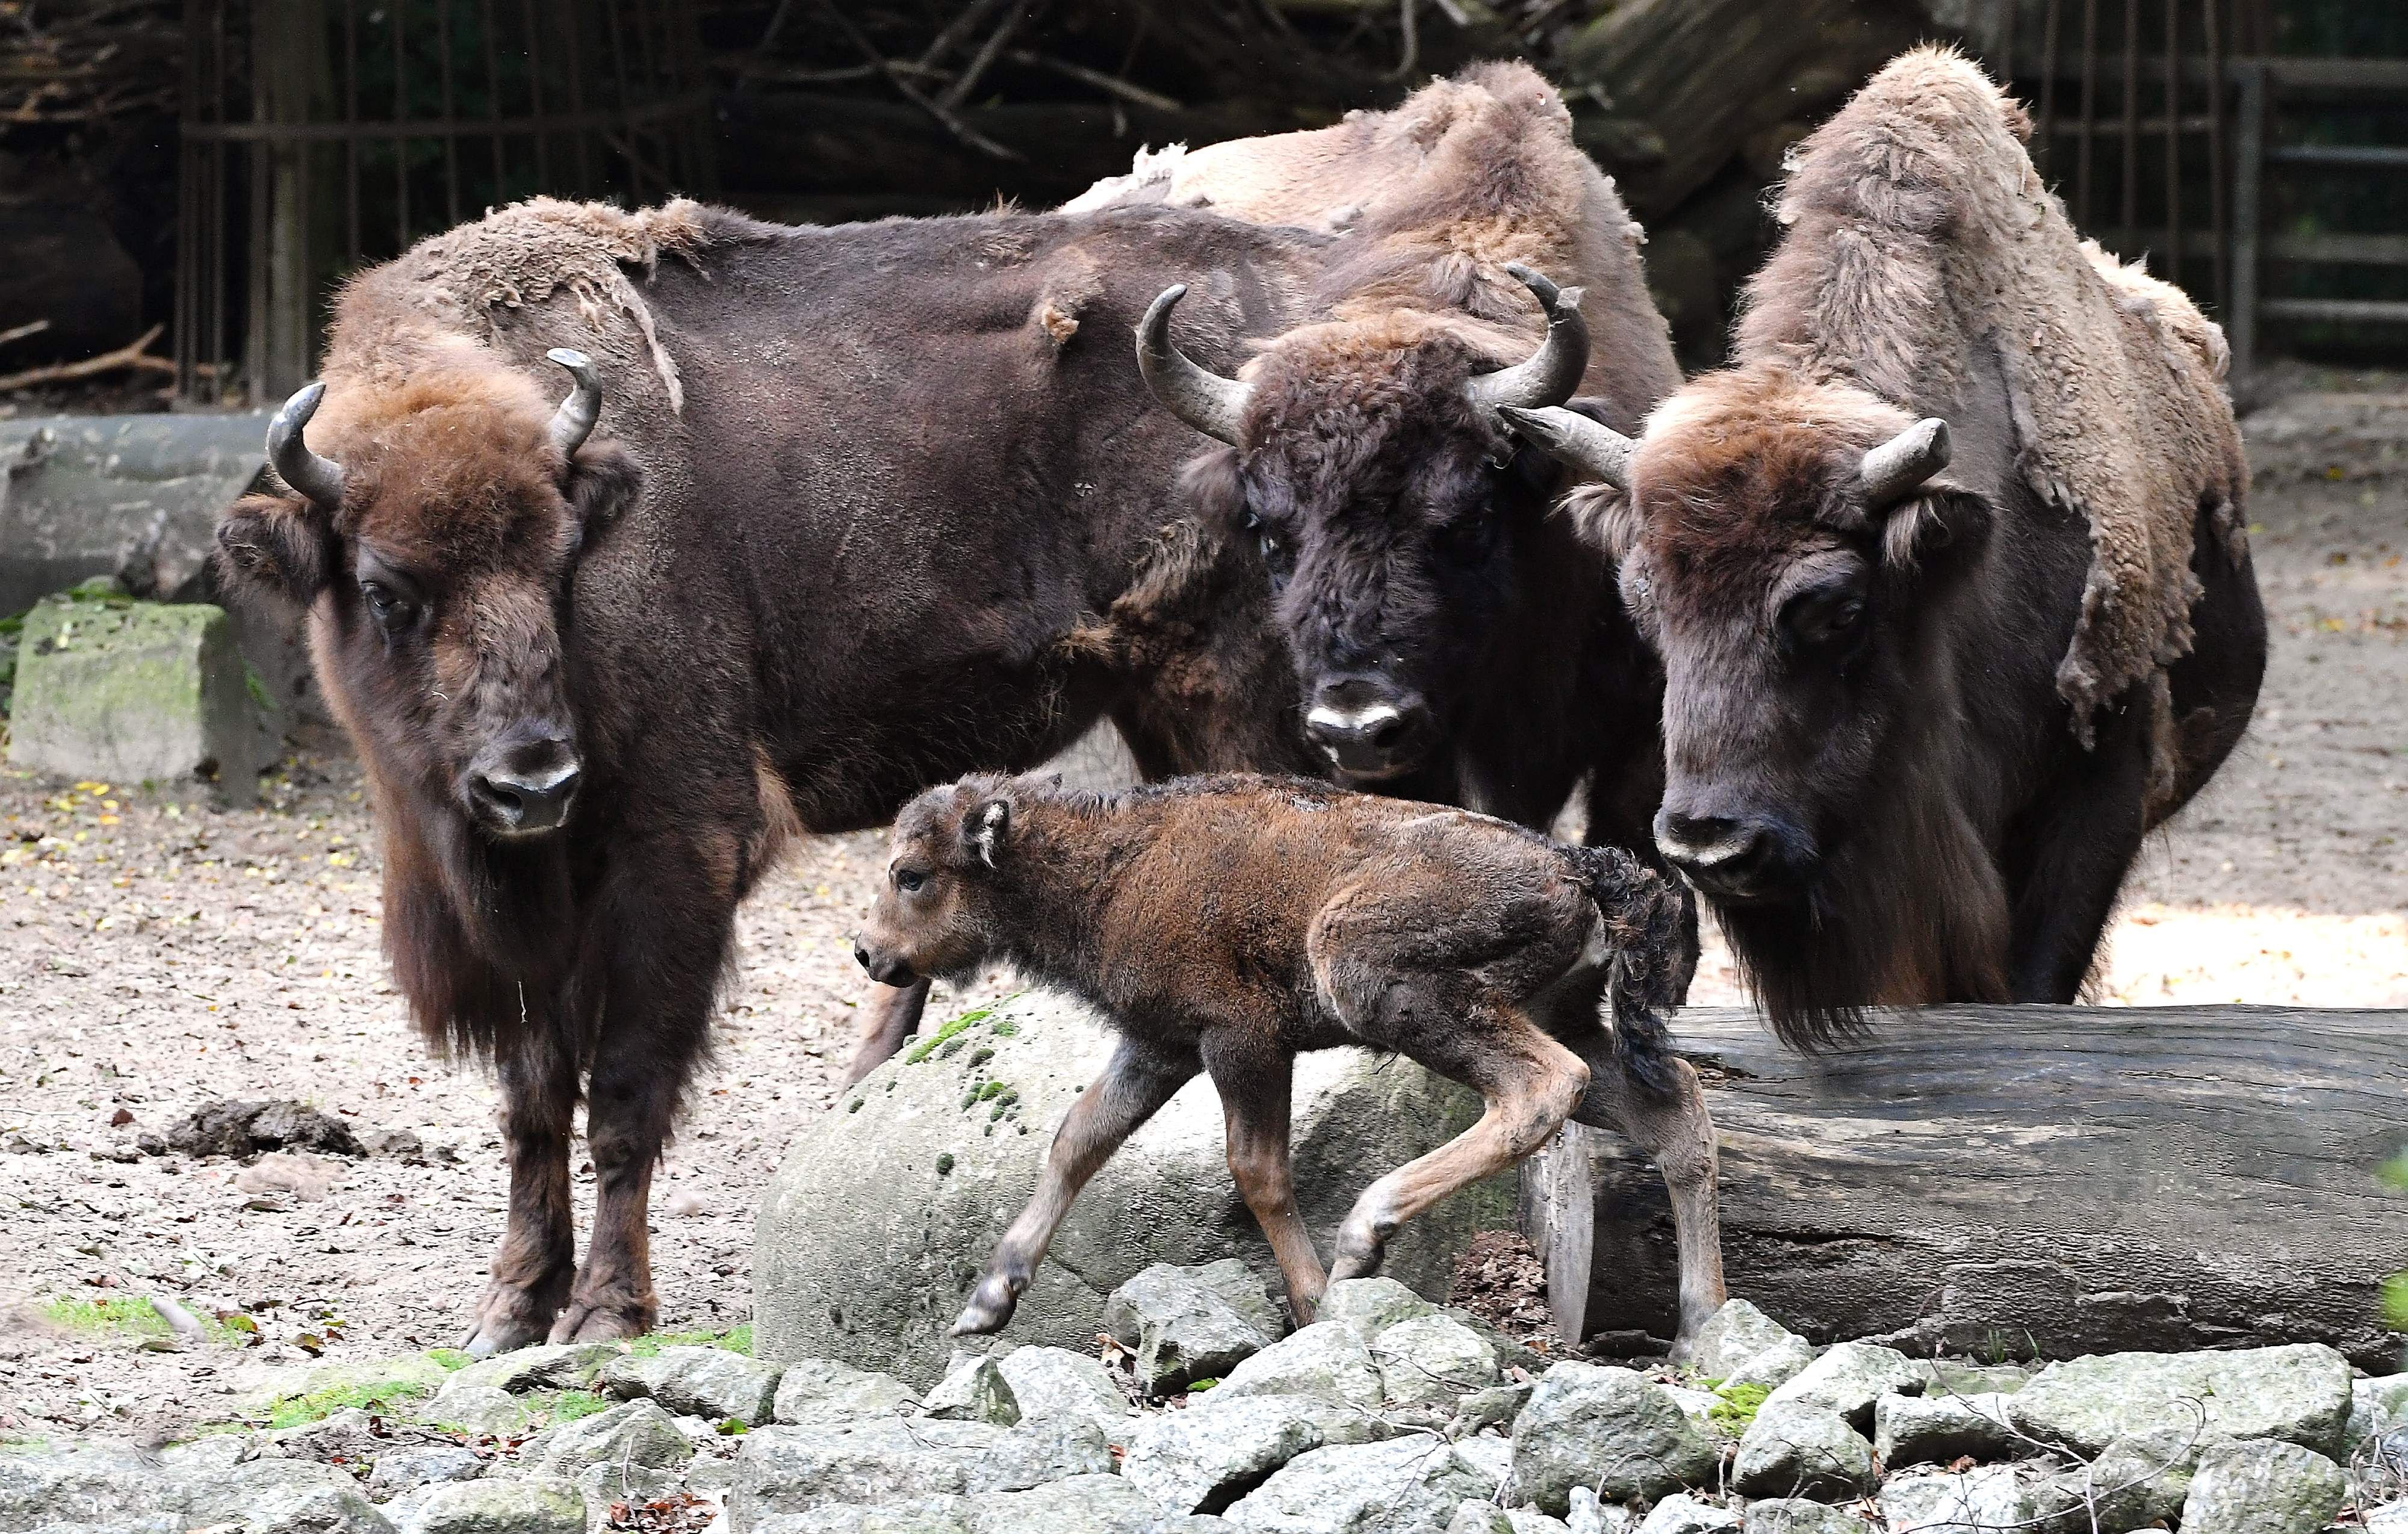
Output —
(134, 356)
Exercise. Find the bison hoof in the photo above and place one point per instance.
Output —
(603, 1320)
(1360, 1254)
(989, 1309)
(510, 1318)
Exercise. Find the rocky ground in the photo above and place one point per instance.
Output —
(158, 953)
(1194, 1414)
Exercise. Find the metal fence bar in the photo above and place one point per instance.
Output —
(2130, 169)
(2217, 223)
(450, 110)
(2363, 156)
(2173, 123)
(2089, 112)
(2340, 311)
(2249, 172)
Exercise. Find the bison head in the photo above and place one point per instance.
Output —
(1782, 545)
(934, 915)
(1368, 463)
(432, 563)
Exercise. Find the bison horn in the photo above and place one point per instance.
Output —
(1203, 399)
(1569, 437)
(573, 422)
(1895, 469)
(319, 479)
(1555, 370)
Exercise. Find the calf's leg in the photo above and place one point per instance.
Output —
(889, 1015)
(1137, 1080)
(1675, 1132)
(1255, 1094)
(538, 1255)
(1529, 1083)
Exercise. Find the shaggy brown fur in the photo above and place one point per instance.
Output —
(1225, 925)
(1911, 747)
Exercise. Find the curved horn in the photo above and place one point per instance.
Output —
(1203, 399)
(319, 479)
(1893, 470)
(1569, 437)
(1554, 371)
(573, 422)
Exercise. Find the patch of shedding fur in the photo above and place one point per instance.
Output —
(1918, 234)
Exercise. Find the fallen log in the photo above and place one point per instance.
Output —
(2023, 1182)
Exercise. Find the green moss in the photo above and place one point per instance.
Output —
(382, 1395)
(451, 1357)
(944, 1163)
(568, 1405)
(735, 1340)
(126, 1315)
(2395, 1302)
(989, 1092)
(1735, 1405)
(1005, 1030)
(946, 1034)
(979, 1057)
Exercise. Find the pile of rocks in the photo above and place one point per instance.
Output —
(1388, 1414)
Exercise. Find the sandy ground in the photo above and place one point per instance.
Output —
(157, 953)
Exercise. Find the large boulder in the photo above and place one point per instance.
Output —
(1608, 1429)
(88, 1481)
(2263, 1487)
(875, 1230)
(126, 691)
(2300, 1393)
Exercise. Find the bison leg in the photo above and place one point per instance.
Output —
(1675, 1133)
(1529, 1081)
(889, 1015)
(1254, 1101)
(1136, 1082)
(537, 1257)
(2082, 839)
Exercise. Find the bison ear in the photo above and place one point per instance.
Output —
(604, 479)
(1942, 526)
(1211, 484)
(985, 829)
(277, 546)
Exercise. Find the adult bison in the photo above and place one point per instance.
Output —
(1948, 572)
(827, 516)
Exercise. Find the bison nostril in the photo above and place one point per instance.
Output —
(524, 801)
(1388, 734)
(861, 955)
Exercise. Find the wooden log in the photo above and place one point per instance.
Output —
(2042, 1182)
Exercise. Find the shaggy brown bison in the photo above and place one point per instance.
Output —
(1309, 918)
(1947, 571)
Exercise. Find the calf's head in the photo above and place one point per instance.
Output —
(1366, 461)
(1785, 547)
(934, 915)
(432, 553)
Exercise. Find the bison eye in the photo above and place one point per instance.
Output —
(909, 880)
(392, 612)
(1828, 617)
(1469, 541)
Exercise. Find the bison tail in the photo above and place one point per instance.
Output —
(1652, 923)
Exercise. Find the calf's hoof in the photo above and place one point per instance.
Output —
(1361, 1249)
(990, 1308)
(513, 1315)
(604, 1318)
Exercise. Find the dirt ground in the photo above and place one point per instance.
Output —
(157, 953)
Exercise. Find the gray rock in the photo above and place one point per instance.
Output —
(2263, 1487)
(1432, 1358)
(129, 690)
(407, 1470)
(1486, 1517)
(637, 1433)
(1405, 1485)
(2140, 1478)
(1201, 1459)
(1608, 1429)
(1964, 1379)
(1327, 1360)
(1054, 1382)
(1796, 1516)
(704, 1382)
(1590, 1516)
(821, 1392)
(865, 1251)
(1849, 1377)
(1037, 1453)
(2391, 1518)
(1740, 1344)
(1802, 1448)
(479, 1409)
(794, 1469)
(1989, 1497)
(284, 1496)
(209, 1452)
(2374, 1406)
(1681, 1513)
(1495, 1407)
(1085, 1504)
(156, 1523)
(1370, 1306)
(912, 1515)
(87, 1480)
(1189, 1324)
(550, 1366)
(536, 1505)
(974, 1391)
(2299, 1394)
(1936, 1429)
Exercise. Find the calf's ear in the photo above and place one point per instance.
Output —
(986, 828)
(1210, 484)
(1941, 527)
(277, 546)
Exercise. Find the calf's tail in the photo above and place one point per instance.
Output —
(1652, 920)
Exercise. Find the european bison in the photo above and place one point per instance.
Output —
(1228, 924)
(1948, 571)
(827, 515)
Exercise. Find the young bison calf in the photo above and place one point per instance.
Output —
(1223, 924)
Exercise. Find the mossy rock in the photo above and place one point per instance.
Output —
(132, 691)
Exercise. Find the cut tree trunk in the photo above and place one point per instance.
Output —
(2027, 1181)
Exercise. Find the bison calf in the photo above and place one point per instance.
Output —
(1225, 924)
